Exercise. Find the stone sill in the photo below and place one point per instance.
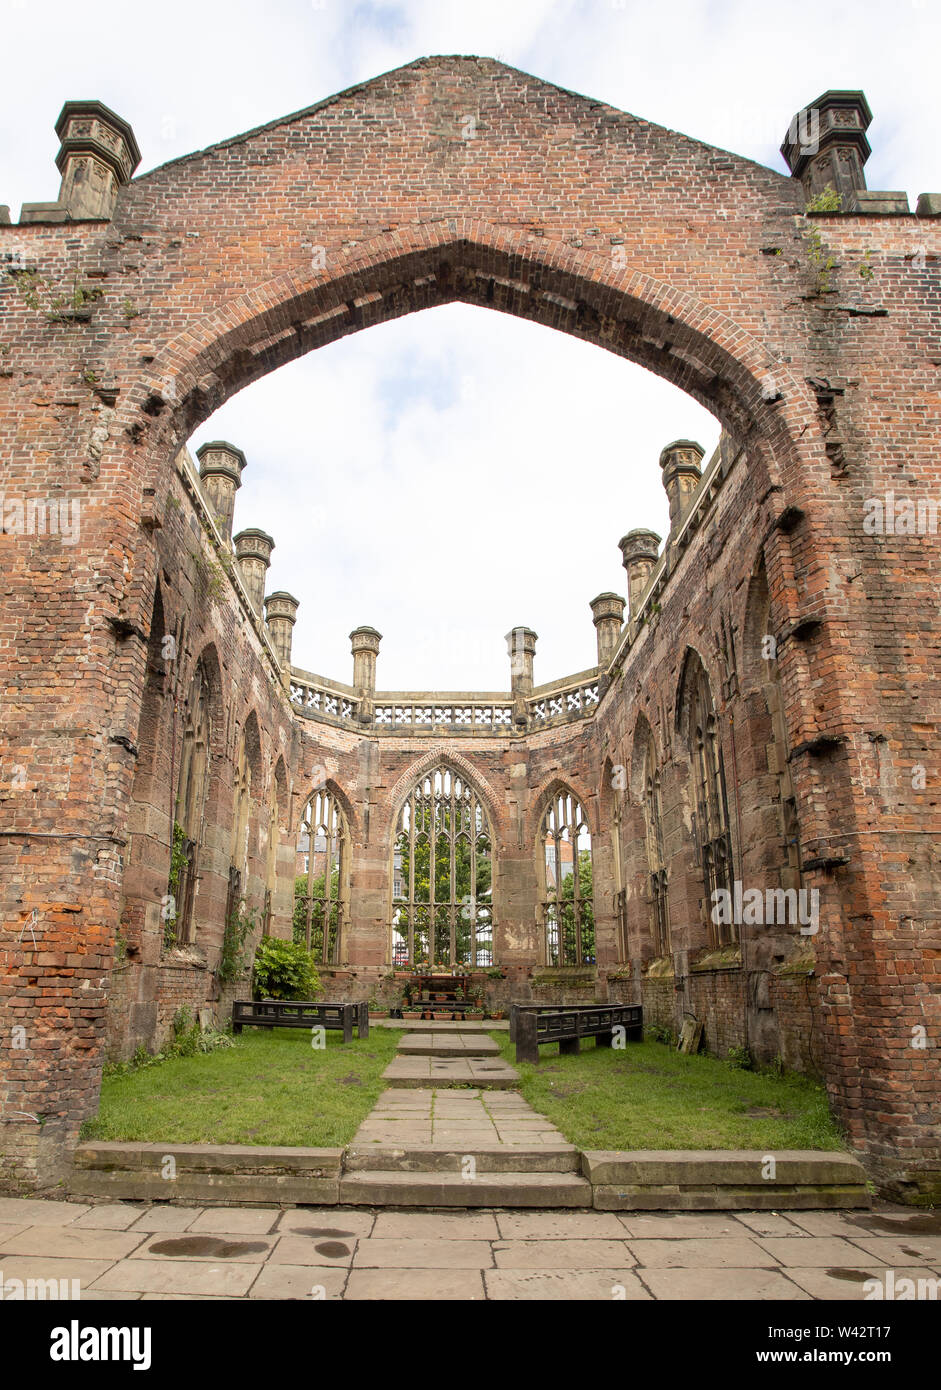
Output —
(179, 958)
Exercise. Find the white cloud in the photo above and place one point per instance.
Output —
(456, 472)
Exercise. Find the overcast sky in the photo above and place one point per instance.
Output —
(457, 472)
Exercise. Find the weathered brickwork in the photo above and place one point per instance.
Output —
(813, 338)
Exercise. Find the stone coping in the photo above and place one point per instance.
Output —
(665, 1179)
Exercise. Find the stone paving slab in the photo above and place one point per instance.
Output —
(443, 1025)
(364, 1254)
(69, 1243)
(595, 1286)
(445, 1071)
(283, 1281)
(26, 1211)
(722, 1284)
(447, 1045)
(423, 1285)
(463, 1119)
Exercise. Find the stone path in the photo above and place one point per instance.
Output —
(463, 1119)
(447, 1045)
(450, 1132)
(406, 1071)
(443, 1057)
(128, 1251)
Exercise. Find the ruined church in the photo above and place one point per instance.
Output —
(731, 817)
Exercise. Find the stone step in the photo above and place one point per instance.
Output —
(435, 1072)
(725, 1180)
(448, 1158)
(392, 1188)
(447, 1045)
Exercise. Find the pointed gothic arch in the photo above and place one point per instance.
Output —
(201, 739)
(322, 887)
(563, 848)
(442, 870)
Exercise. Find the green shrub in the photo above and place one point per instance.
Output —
(284, 970)
(238, 929)
(740, 1059)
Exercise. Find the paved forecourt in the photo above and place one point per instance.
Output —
(126, 1250)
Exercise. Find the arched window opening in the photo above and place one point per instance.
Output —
(442, 870)
(653, 817)
(247, 764)
(614, 801)
(190, 807)
(713, 843)
(321, 891)
(568, 907)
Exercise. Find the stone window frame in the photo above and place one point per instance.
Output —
(564, 820)
(324, 811)
(432, 799)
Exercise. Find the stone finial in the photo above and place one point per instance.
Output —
(521, 645)
(607, 611)
(97, 156)
(281, 614)
(220, 472)
(681, 463)
(826, 145)
(639, 550)
(253, 551)
(365, 647)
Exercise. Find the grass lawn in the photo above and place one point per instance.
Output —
(647, 1096)
(270, 1088)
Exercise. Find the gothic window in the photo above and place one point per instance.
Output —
(322, 893)
(713, 842)
(190, 806)
(653, 817)
(568, 917)
(442, 907)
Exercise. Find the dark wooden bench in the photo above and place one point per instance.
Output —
(300, 1013)
(534, 1024)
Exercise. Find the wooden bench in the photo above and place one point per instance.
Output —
(534, 1024)
(299, 1013)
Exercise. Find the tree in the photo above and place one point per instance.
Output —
(310, 895)
(463, 907)
(567, 914)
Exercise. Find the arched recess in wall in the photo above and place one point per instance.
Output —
(563, 850)
(155, 689)
(697, 726)
(202, 719)
(612, 801)
(646, 794)
(322, 884)
(442, 873)
(278, 811)
(246, 793)
(767, 722)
